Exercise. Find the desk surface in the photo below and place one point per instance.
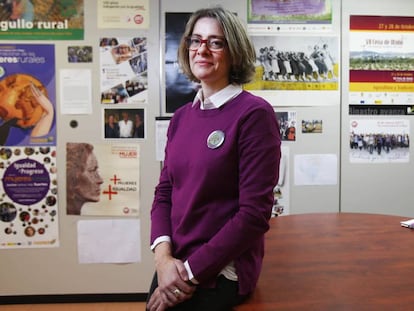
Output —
(331, 262)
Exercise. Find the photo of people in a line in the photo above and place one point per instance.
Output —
(296, 63)
(379, 141)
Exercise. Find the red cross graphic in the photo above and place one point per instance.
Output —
(115, 179)
(109, 192)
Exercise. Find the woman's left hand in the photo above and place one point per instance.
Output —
(172, 287)
(158, 302)
(172, 280)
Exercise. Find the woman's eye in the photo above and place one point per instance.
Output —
(216, 43)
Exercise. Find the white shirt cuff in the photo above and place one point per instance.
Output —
(190, 273)
(160, 239)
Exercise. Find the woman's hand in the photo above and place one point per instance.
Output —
(45, 123)
(172, 280)
(158, 302)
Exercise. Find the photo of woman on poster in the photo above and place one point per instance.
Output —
(82, 177)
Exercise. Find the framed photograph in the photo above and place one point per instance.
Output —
(124, 123)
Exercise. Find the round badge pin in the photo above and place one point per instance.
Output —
(215, 139)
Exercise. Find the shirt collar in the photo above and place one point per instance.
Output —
(220, 98)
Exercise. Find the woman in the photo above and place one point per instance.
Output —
(214, 198)
(111, 127)
(83, 182)
(138, 127)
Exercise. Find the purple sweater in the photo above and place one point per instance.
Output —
(215, 203)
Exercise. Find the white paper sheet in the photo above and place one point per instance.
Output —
(161, 128)
(109, 241)
(316, 169)
(75, 91)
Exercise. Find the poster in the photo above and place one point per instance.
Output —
(289, 16)
(179, 90)
(381, 71)
(102, 179)
(122, 14)
(27, 95)
(379, 141)
(287, 125)
(123, 66)
(29, 205)
(41, 20)
(296, 63)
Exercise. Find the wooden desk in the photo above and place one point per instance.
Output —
(332, 262)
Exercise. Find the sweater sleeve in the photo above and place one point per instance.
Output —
(259, 157)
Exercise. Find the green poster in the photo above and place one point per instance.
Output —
(41, 20)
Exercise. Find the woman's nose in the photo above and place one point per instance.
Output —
(203, 48)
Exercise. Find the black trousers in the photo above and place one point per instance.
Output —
(221, 298)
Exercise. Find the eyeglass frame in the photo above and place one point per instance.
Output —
(206, 41)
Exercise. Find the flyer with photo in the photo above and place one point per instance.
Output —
(29, 205)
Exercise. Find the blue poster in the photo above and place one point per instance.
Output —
(27, 95)
(29, 204)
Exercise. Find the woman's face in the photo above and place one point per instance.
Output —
(210, 67)
(90, 181)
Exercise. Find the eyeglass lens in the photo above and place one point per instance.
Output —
(213, 43)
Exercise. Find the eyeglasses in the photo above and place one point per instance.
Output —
(213, 43)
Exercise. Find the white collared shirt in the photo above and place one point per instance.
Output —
(217, 99)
